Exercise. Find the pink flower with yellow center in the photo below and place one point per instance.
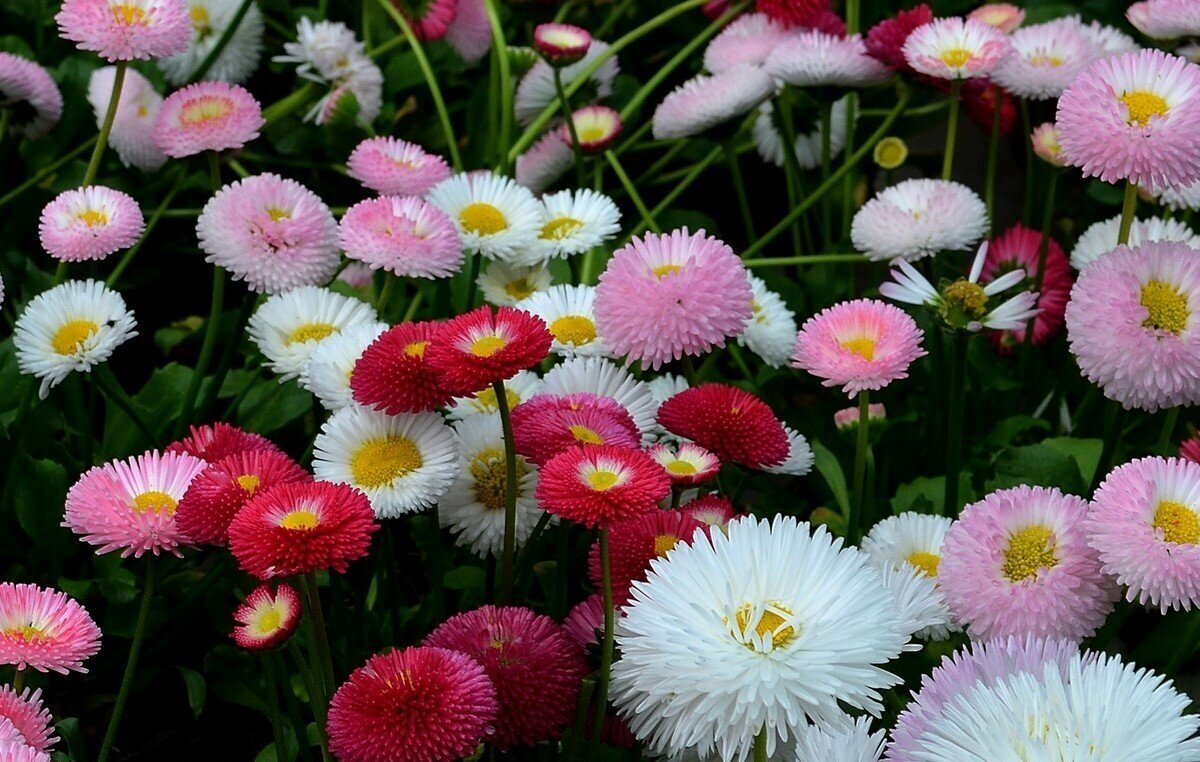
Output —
(122, 30)
(44, 629)
(954, 48)
(207, 116)
(89, 223)
(267, 617)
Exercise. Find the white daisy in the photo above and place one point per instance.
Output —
(473, 508)
(665, 386)
(287, 327)
(799, 460)
(494, 216)
(1045, 59)
(771, 331)
(326, 51)
(956, 48)
(847, 741)
(808, 145)
(517, 389)
(573, 222)
(812, 58)
(1183, 197)
(210, 19)
(404, 463)
(919, 603)
(1108, 40)
(132, 135)
(503, 284)
(918, 218)
(536, 90)
(1101, 237)
(596, 375)
(330, 365)
(763, 625)
(72, 327)
(568, 313)
(913, 541)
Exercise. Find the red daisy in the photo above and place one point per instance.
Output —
(267, 617)
(430, 19)
(31, 720)
(732, 423)
(801, 13)
(393, 376)
(634, 543)
(713, 510)
(549, 423)
(301, 527)
(1190, 449)
(536, 668)
(687, 463)
(597, 485)
(417, 705)
(486, 345)
(885, 40)
(217, 441)
(980, 98)
(586, 621)
(218, 492)
(1019, 247)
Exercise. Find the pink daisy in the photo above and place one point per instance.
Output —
(705, 101)
(429, 18)
(1145, 524)
(687, 463)
(122, 30)
(748, 39)
(34, 102)
(267, 617)
(596, 127)
(561, 44)
(12, 750)
(1004, 16)
(89, 223)
(470, 34)
(548, 424)
(1190, 449)
(597, 485)
(816, 59)
(1019, 247)
(207, 116)
(1134, 117)
(1133, 323)
(1045, 59)
(44, 629)
(1018, 563)
(474, 350)
(31, 720)
(271, 232)
(132, 135)
(1165, 19)
(393, 167)
(586, 620)
(129, 505)
(407, 237)
(956, 49)
(858, 345)
(847, 418)
(545, 162)
(665, 296)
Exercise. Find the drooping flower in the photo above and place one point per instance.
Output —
(287, 327)
(1020, 247)
(429, 18)
(34, 101)
(44, 629)
(28, 717)
(1101, 237)
(215, 442)
(392, 375)
(207, 116)
(707, 100)
(548, 424)
(748, 39)
(266, 617)
(329, 54)
(596, 127)
(815, 59)
(731, 423)
(637, 541)
(393, 167)
(1165, 19)
(219, 491)
(536, 90)
(406, 237)
(329, 372)
(1004, 16)
(545, 162)
(574, 222)
(132, 135)
(470, 34)
(494, 216)
(810, 146)
(687, 463)
(954, 48)
(914, 541)
(210, 21)
(484, 346)
(858, 345)
(598, 485)
(1045, 59)
(123, 30)
(918, 218)
(89, 224)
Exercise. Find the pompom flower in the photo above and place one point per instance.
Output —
(132, 135)
(28, 717)
(797, 14)
(1019, 247)
(392, 376)
(771, 332)
(215, 442)
(218, 492)
(536, 667)
(1165, 19)
(708, 100)
(44, 629)
(267, 617)
(1101, 237)
(886, 39)
(561, 44)
(406, 237)
(89, 223)
(665, 296)
(733, 424)
(954, 48)
(416, 705)
(1133, 326)
(585, 622)
(918, 218)
(34, 102)
(548, 424)
(431, 18)
(816, 59)
(302, 527)
(479, 348)
(860, 345)
(393, 167)
(207, 116)
(687, 463)
(635, 542)
(123, 30)
(748, 39)
(598, 485)
(913, 541)
(271, 232)
(287, 327)
(1134, 117)
(1045, 59)
(329, 372)
(1018, 563)
(494, 216)
(211, 20)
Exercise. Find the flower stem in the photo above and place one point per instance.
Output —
(150, 225)
(385, 293)
(606, 646)
(810, 259)
(735, 174)
(223, 42)
(781, 108)
(93, 167)
(951, 129)
(1168, 430)
(956, 403)
(862, 446)
(1128, 212)
(504, 74)
(647, 216)
(760, 745)
(273, 706)
(116, 395)
(312, 596)
(135, 649)
(569, 118)
(989, 191)
(315, 701)
(18, 681)
(510, 495)
(207, 345)
(848, 179)
(826, 162)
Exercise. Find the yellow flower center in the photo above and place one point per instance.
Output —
(310, 332)
(585, 435)
(592, 133)
(486, 346)
(662, 271)
(1167, 307)
(1143, 104)
(70, 336)
(25, 632)
(276, 214)
(488, 471)
(485, 400)
(382, 460)
(1029, 550)
(560, 228)
(482, 219)
(203, 110)
(1179, 523)
(519, 289)
(601, 480)
(92, 218)
(970, 296)
(154, 501)
(1042, 59)
(416, 348)
(864, 347)
(771, 624)
(128, 14)
(574, 329)
(926, 563)
(956, 57)
(268, 622)
(300, 519)
(890, 152)
(663, 543)
(681, 468)
(249, 483)
(201, 21)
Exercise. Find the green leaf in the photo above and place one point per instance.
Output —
(927, 494)
(1006, 431)
(197, 689)
(1085, 453)
(835, 521)
(827, 465)
(465, 578)
(271, 405)
(158, 402)
(1039, 465)
(38, 495)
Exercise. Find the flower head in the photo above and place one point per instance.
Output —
(912, 541)
(266, 617)
(604, 378)
(1004, 16)
(1165, 19)
(816, 59)
(207, 116)
(430, 19)
(1046, 145)
(287, 327)
(858, 345)
(809, 147)
(536, 89)
(597, 485)
(329, 372)
(211, 20)
(218, 492)
(574, 222)
(89, 223)
(1021, 247)
(547, 424)
(596, 127)
(731, 423)
(215, 442)
(800, 458)
(505, 285)
(479, 348)
(954, 48)
(711, 510)
(392, 375)
(44, 629)
(35, 101)
(406, 237)
(771, 332)
(123, 30)
(561, 44)
(1045, 59)
(27, 716)
(687, 463)
(918, 218)
(494, 216)
(1101, 237)
(886, 39)
(545, 162)
(635, 542)
(132, 135)
(569, 315)
(799, 14)
(393, 167)
(748, 39)
(708, 100)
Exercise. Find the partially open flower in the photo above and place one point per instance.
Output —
(267, 617)
(561, 44)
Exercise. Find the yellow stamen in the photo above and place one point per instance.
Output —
(1045, 60)
(485, 400)
(662, 271)
(155, 501)
(956, 57)
(560, 228)
(1142, 105)
(890, 152)
(863, 347)
(1178, 522)
(770, 624)
(482, 219)
(416, 348)
(489, 473)
(520, 288)
(1167, 308)
(71, 335)
(25, 632)
(92, 218)
(201, 21)
(310, 332)
(205, 109)
(128, 14)
(276, 214)
(584, 435)
(926, 563)
(681, 468)
(574, 329)
(300, 519)
(663, 543)
(486, 346)
(249, 482)
(382, 460)
(268, 622)
(602, 480)
(1029, 550)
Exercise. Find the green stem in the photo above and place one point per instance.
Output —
(1043, 248)
(157, 215)
(581, 710)
(135, 649)
(472, 278)
(510, 496)
(862, 447)
(647, 216)
(826, 162)
(18, 681)
(289, 700)
(606, 646)
(1114, 422)
(504, 72)
(1168, 430)
(760, 745)
(289, 103)
(273, 706)
(116, 395)
(222, 43)
(48, 170)
(956, 403)
(206, 351)
(315, 702)
(951, 129)
(989, 191)
(413, 305)
(569, 118)
(93, 167)
(385, 293)
(1128, 212)
(313, 601)
(735, 173)
(249, 302)
(848, 180)
(683, 185)
(809, 259)
(782, 110)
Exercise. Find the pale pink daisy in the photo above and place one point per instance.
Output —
(470, 34)
(1045, 139)
(393, 167)
(1134, 117)
(1145, 524)
(1018, 563)
(33, 100)
(665, 296)
(27, 715)
(545, 162)
(271, 232)
(45, 629)
(1133, 323)
(89, 223)
(596, 127)
(132, 135)
(860, 345)
(708, 100)
(1165, 19)
(1046, 58)
(1004, 16)
(956, 49)
(918, 218)
(815, 59)
(404, 236)
(748, 39)
(129, 505)
(122, 30)
(207, 116)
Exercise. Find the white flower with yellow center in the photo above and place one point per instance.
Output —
(953, 48)
(604, 378)
(799, 460)
(287, 327)
(494, 216)
(913, 541)
(1101, 237)
(504, 284)
(568, 314)
(516, 390)
(573, 222)
(331, 364)
(403, 463)
(473, 508)
(1045, 59)
(849, 741)
(72, 327)
(771, 331)
(210, 19)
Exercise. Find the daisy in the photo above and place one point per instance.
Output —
(1165, 19)
(391, 374)
(406, 237)
(545, 162)
(403, 463)
(29, 718)
(213, 443)
(1101, 237)
(763, 625)
(494, 216)
(1046, 58)
(569, 315)
(596, 127)
(573, 222)
(473, 508)
(885, 41)
(732, 423)
(597, 485)
(1020, 247)
(848, 741)
(561, 44)
(266, 617)
(1190, 449)
(637, 541)
(287, 327)
(918, 218)
(34, 101)
(1182, 197)
(132, 135)
(1046, 145)
(848, 418)
(914, 541)
(1134, 117)
(809, 146)
(44, 629)
(521, 387)
(711, 510)
(708, 100)
(860, 345)
(1109, 40)
(122, 30)
(207, 116)
(72, 327)
(129, 505)
(486, 346)
(429, 18)
(771, 331)
(393, 167)
(800, 458)
(210, 20)
(324, 51)
(1004, 16)
(955, 49)
(536, 667)
(548, 424)
(329, 372)
(687, 463)
(1018, 563)
(536, 90)
(604, 378)
(815, 59)
(1132, 325)
(417, 703)
(89, 224)
(505, 285)
(748, 39)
